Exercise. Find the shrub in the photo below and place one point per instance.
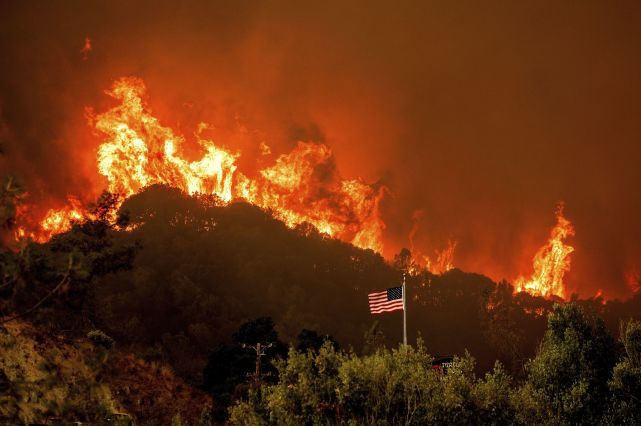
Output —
(99, 338)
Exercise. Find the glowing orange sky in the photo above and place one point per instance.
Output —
(483, 116)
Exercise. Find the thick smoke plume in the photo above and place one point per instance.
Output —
(473, 115)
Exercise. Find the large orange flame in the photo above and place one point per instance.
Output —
(55, 221)
(551, 262)
(302, 186)
(138, 151)
(443, 260)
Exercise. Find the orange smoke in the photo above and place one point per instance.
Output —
(302, 186)
(551, 262)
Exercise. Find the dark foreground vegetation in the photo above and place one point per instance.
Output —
(187, 287)
(578, 376)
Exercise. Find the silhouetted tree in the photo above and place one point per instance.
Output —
(11, 194)
(312, 340)
(52, 279)
(403, 260)
(387, 387)
(625, 383)
(230, 367)
(567, 380)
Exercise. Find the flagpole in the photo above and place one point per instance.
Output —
(404, 314)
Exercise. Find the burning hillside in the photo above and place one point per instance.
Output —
(551, 262)
(301, 186)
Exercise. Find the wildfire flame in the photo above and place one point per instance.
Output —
(442, 261)
(301, 186)
(551, 262)
(86, 48)
(55, 221)
(633, 279)
(138, 151)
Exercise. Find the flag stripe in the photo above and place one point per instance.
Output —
(391, 308)
(377, 295)
(383, 302)
(389, 305)
(387, 310)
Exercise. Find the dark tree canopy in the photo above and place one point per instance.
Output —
(261, 330)
(204, 268)
(312, 340)
(567, 380)
(198, 284)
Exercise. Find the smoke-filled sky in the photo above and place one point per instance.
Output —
(482, 115)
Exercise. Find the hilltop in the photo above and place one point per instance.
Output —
(173, 278)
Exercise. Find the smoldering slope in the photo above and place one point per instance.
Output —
(483, 116)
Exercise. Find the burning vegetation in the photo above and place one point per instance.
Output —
(551, 262)
(302, 186)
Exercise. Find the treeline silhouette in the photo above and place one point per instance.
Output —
(578, 376)
(175, 277)
(203, 268)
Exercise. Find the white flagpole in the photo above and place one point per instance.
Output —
(404, 314)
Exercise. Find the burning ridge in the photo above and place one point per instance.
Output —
(301, 186)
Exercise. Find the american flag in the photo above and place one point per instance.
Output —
(386, 301)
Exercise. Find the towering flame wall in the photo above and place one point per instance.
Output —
(300, 186)
(551, 262)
